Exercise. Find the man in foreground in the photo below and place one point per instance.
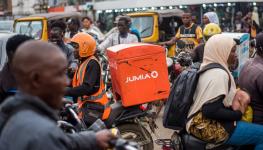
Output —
(32, 119)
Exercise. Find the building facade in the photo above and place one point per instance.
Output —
(5, 7)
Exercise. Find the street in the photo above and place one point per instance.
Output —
(161, 132)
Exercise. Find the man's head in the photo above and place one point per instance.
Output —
(57, 31)
(86, 22)
(13, 43)
(84, 45)
(40, 70)
(123, 25)
(73, 24)
(187, 19)
(259, 44)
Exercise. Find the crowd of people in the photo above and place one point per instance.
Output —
(39, 73)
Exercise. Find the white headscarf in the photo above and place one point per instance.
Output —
(214, 82)
(212, 17)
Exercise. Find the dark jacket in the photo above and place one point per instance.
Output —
(7, 82)
(198, 53)
(36, 128)
(91, 83)
(251, 80)
(68, 50)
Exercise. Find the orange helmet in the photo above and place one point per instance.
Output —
(87, 44)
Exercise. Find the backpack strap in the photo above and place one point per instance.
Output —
(216, 65)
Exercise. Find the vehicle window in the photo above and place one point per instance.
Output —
(30, 28)
(169, 26)
(144, 25)
(6, 25)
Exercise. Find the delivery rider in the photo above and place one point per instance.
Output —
(87, 84)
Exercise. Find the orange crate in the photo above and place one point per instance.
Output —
(139, 73)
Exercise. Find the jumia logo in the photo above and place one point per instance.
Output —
(153, 74)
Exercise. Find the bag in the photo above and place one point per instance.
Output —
(181, 97)
(207, 130)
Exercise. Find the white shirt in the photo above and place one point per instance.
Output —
(116, 39)
(94, 30)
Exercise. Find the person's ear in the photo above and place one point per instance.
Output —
(35, 79)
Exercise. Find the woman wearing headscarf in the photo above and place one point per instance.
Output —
(210, 17)
(211, 117)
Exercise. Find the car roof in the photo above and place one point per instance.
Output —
(161, 13)
(54, 16)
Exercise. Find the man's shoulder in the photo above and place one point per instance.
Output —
(254, 65)
(215, 74)
(132, 36)
(94, 62)
(31, 121)
(28, 128)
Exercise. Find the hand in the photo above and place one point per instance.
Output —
(243, 96)
(242, 109)
(103, 138)
(241, 101)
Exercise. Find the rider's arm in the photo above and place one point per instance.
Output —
(217, 111)
(91, 82)
(83, 140)
(173, 39)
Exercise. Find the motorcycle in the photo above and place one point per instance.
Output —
(180, 62)
(116, 144)
(130, 121)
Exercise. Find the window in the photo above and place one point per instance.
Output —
(30, 28)
(6, 25)
(144, 25)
